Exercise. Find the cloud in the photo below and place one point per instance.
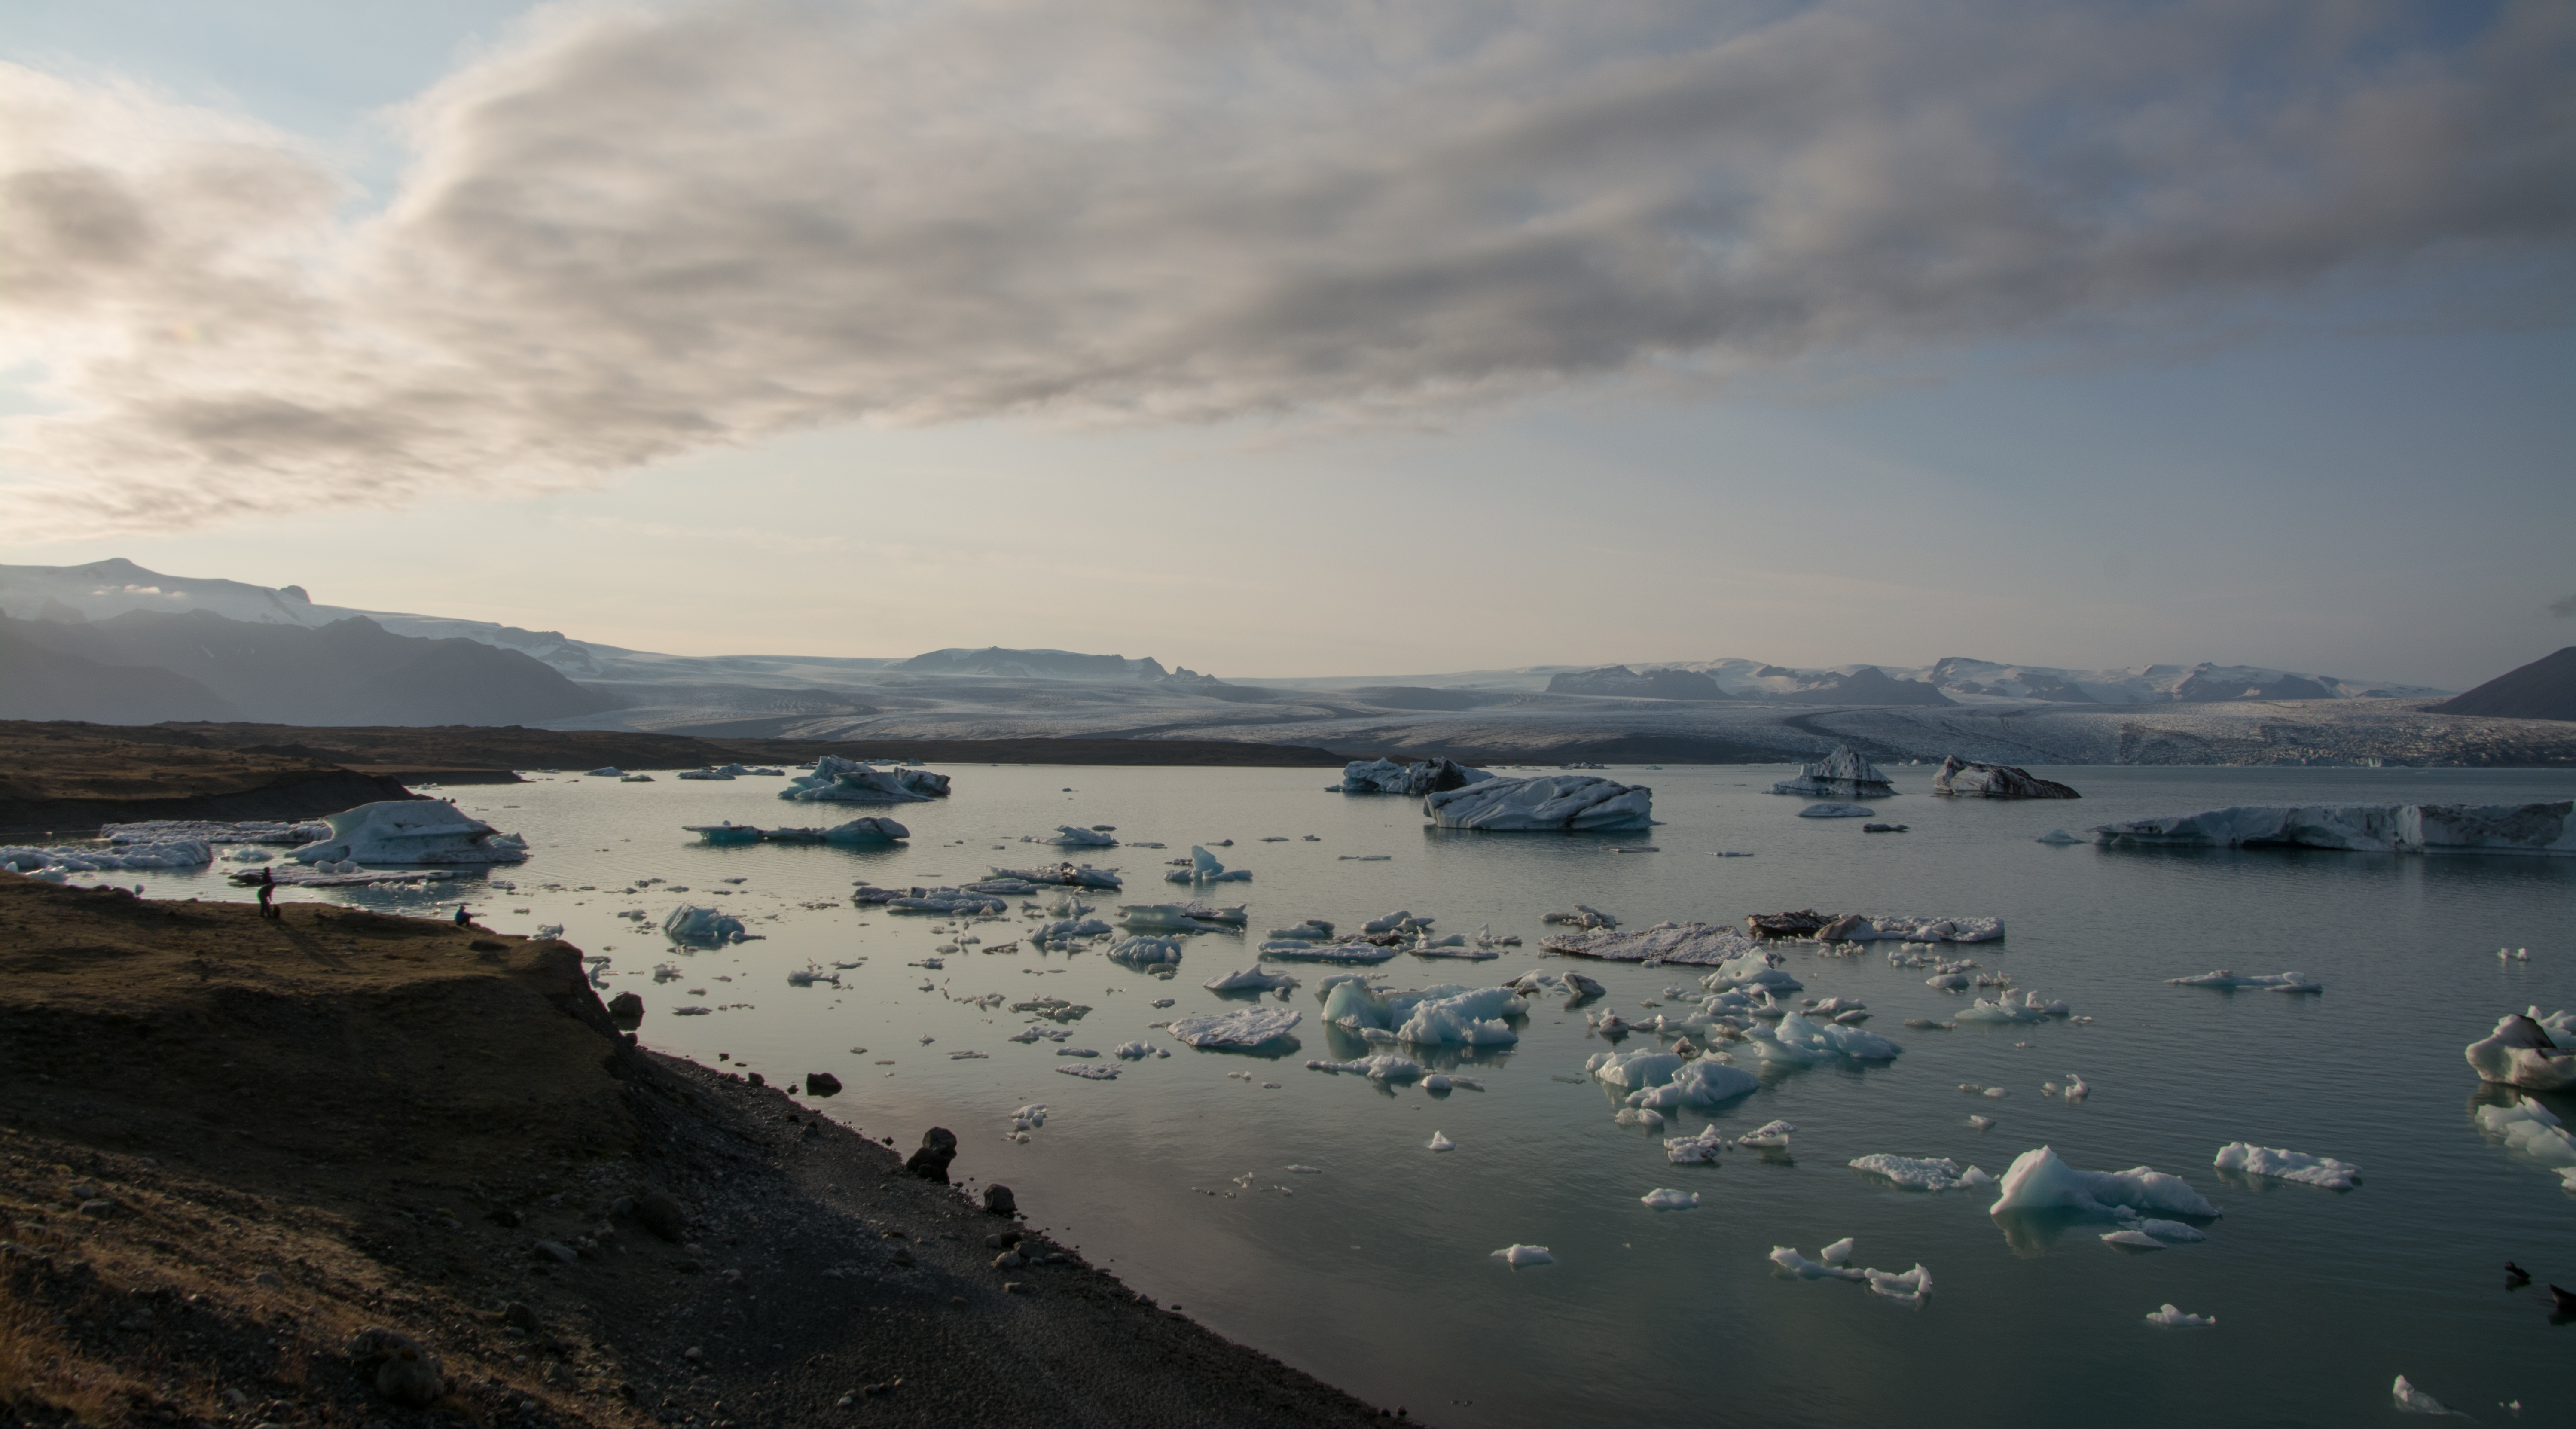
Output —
(2563, 608)
(641, 230)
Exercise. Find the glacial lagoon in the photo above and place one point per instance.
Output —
(1375, 1270)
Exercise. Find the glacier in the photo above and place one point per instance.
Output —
(2361, 828)
(1564, 803)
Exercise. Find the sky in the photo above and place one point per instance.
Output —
(1318, 339)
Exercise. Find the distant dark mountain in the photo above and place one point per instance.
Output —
(2543, 689)
(349, 672)
(1032, 665)
(1868, 685)
(39, 682)
(1654, 684)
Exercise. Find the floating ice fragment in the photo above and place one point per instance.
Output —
(1837, 811)
(1911, 1288)
(1385, 776)
(1769, 1136)
(1384, 1067)
(1093, 1071)
(2372, 828)
(1911, 1173)
(1248, 980)
(2532, 1129)
(1139, 950)
(1551, 802)
(2167, 1315)
(691, 924)
(1439, 1142)
(1788, 1259)
(1305, 1170)
(1669, 1200)
(2287, 1165)
(1246, 1027)
(1702, 1082)
(2275, 982)
(1975, 1176)
(2410, 1400)
(1837, 1253)
(2059, 837)
(1982, 1123)
(2039, 1181)
(410, 832)
(1517, 1256)
(2168, 1231)
(2134, 1240)
(2005, 1009)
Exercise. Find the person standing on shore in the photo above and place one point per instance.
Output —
(267, 892)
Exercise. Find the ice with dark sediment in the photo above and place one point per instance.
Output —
(1429, 776)
(835, 780)
(1554, 803)
(1069, 875)
(1837, 811)
(2360, 828)
(2528, 1050)
(1697, 944)
(1995, 781)
(1843, 774)
(690, 924)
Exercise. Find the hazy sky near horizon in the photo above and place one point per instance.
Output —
(1317, 339)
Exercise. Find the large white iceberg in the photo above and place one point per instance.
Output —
(847, 781)
(2252, 1160)
(412, 832)
(2039, 1181)
(2523, 1052)
(1427, 1016)
(1430, 776)
(1843, 774)
(1698, 944)
(2367, 828)
(1247, 1027)
(1548, 802)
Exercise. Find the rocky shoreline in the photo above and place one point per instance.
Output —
(343, 1168)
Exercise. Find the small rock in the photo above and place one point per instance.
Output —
(504, 1217)
(999, 1200)
(694, 1355)
(406, 1372)
(901, 1256)
(98, 1208)
(139, 1320)
(556, 1251)
(930, 1162)
(661, 1215)
(733, 1277)
(1013, 1287)
(822, 1084)
(622, 1206)
(626, 1010)
(756, 1079)
(999, 1239)
(268, 1279)
(1009, 1260)
(521, 1314)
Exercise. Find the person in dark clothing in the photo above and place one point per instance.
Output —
(461, 919)
(267, 892)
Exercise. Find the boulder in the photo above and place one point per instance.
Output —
(626, 1010)
(822, 1084)
(999, 1201)
(663, 1216)
(930, 1161)
(1995, 781)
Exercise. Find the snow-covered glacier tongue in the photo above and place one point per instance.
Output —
(2361, 828)
(411, 832)
(1563, 803)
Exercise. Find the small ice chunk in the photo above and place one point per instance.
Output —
(1030, 1117)
(1697, 1149)
(1439, 1142)
(1912, 1173)
(2134, 1240)
(1836, 1253)
(1305, 1170)
(1663, 1199)
(1913, 1287)
(1975, 1176)
(2167, 1315)
(2287, 1165)
(1249, 980)
(1769, 1136)
(1982, 1123)
(1092, 1071)
(1788, 1259)
(1517, 1256)
(2059, 837)
(2037, 1181)
(1131, 1051)
(2410, 1400)
(2167, 1231)
(1248, 1027)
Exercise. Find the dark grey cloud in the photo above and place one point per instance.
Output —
(641, 231)
(2563, 608)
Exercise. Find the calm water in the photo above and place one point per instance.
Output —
(1376, 1275)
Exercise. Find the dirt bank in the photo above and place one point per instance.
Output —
(70, 778)
(239, 1153)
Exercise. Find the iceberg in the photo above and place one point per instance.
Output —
(2002, 1008)
(609, 771)
(1563, 803)
(2536, 1132)
(1246, 1027)
(1995, 781)
(847, 781)
(1068, 930)
(1140, 950)
(1633, 1071)
(1165, 918)
(727, 832)
(2364, 828)
(2166, 1314)
(932, 900)
(1664, 1199)
(1068, 836)
(1912, 1173)
(1698, 1149)
(1788, 1259)
(1069, 875)
(411, 832)
(2039, 1181)
(709, 773)
(2521, 1052)
(1800, 1039)
(1430, 776)
(1863, 928)
(690, 924)
(1700, 1083)
(2283, 1165)
(1384, 1067)
(2275, 982)
(1517, 1256)
(1913, 1287)
(1327, 952)
(866, 831)
(1426, 1016)
(1313, 930)
(1248, 980)
(1843, 774)
(1837, 811)
(1204, 868)
(1698, 944)
(1440, 1142)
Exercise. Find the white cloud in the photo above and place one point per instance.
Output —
(643, 230)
